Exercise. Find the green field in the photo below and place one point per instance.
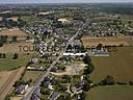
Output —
(8, 63)
(110, 93)
(34, 75)
(119, 64)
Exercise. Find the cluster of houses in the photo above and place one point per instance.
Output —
(54, 95)
(21, 89)
(102, 30)
(109, 28)
(80, 87)
(36, 94)
(48, 83)
(45, 48)
(98, 52)
(38, 29)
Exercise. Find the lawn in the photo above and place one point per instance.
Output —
(34, 75)
(8, 63)
(110, 93)
(119, 64)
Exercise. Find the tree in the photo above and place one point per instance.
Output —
(88, 69)
(69, 47)
(5, 38)
(7, 97)
(44, 91)
(4, 55)
(28, 37)
(14, 38)
(65, 96)
(130, 82)
(29, 81)
(20, 22)
(99, 46)
(15, 56)
(109, 80)
(0, 55)
(19, 82)
(66, 79)
(1, 43)
(87, 59)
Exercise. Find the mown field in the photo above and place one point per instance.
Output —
(9, 63)
(9, 49)
(110, 93)
(13, 32)
(119, 64)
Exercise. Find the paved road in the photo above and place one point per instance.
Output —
(38, 82)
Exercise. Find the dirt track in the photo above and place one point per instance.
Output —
(7, 85)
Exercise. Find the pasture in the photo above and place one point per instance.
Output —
(110, 93)
(9, 63)
(119, 64)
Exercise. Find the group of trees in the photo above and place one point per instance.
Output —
(3, 55)
(57, 24)
(20, 82)
(108, 80)
(4, 39)
(15, 56)
(9, 23)
(89, 68)
(14, 38)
